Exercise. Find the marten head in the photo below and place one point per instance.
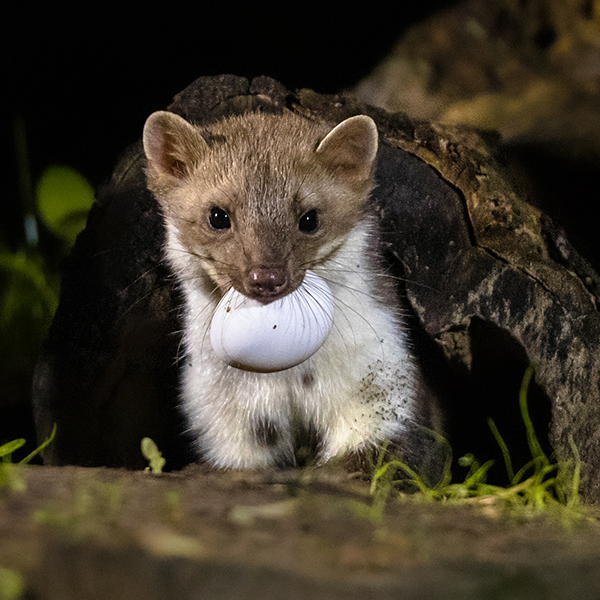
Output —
(256, 200)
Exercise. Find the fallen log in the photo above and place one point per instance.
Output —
(491, 283)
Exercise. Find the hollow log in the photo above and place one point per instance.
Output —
(491, 283)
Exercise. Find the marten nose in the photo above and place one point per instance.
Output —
(266, 284)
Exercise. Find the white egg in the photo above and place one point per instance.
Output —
(271, 337)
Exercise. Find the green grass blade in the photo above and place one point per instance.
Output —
(479, 475)
(447, 471)
(28, 458)
(532, 441)
(503, 448)
(574, 499)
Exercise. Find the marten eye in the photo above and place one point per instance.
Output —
(309, 222)
(219, 219)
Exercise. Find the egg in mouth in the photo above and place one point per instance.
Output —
(252, 336)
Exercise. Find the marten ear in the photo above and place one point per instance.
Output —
(172, 146)
(350, 147)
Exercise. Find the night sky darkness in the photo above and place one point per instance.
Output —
(84, 80)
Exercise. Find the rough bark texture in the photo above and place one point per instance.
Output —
(476, 254)
(492, 284)
(528, 70)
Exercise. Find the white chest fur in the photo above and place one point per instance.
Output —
(355, 392)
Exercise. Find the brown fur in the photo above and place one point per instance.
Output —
(265, 171)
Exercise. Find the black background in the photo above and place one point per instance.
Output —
(84, 79)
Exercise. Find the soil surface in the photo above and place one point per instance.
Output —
(76, 533)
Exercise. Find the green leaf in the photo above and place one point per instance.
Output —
(7, 449)
(64, 198)
(153, 456)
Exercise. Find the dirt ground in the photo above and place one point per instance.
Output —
(87, 534)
